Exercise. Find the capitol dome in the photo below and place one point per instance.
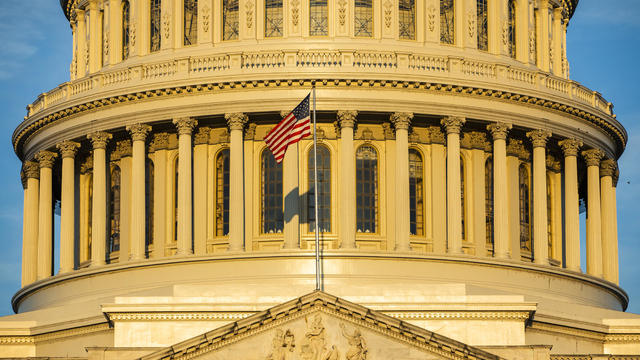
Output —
(455, 155)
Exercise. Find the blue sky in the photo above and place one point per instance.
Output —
(35, 55)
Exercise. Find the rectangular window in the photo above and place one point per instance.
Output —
(154, 34)
(407, 19)
(324, 191)
(363, 18)
(483, 25)
(230, 20)
(447, 24)
(318, 18)
(273, 18)
(190, 22)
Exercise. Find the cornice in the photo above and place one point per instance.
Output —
(54, 335)
(31, 126)
(178, 316)
(460, 315)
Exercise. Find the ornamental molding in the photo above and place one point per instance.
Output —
(123, 149)
(499, 130)
(54, 335)
(388, 131)
(566, 330)
(99, 139)
(160, 141)
(236, 121)
(453, 124)
(250, 131)
(516, 148)
(570, 147)
(623, 338)
(401, 120)
(459, 315)
(202, 136)
(608, 167)
(553, 164)
(46, 158)
(138, 131)
(249, 13)
(68, 148)
(295, 12)
(23, 134)
(388, 10)
(178, 316)
(347, 118)
(185, 125)
(342, 12)
(166, 25)
(539, 137)
(206, 15)
(431, 18)
(474, 140)
(31, 170)
(593, 156)
(471, 23)
(436, 136)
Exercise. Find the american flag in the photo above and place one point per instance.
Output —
(290, 130)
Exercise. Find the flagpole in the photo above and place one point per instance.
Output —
(315, 191)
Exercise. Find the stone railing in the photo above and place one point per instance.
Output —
(594, 357)
(372, 64)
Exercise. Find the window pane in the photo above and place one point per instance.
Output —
(447, 25)
(407, 19)
(149, 179)
(272, 205)
(363, 19)
(230, 24)
(512, 28)
(483, 27)
(318, 17)
(324, 190)
(416, 193)
(222, 193)
(190, 22)
(366, 189)
(273, 19)
(155, 25)
(525, 214)
(114, 211)
(488, 190)
(462, 197)
(125, 29)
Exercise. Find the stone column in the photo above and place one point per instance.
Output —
(249, 176)
(476, 218)
(570, 148)
(95, 38)
(160, 144)
(185, 225)
(453, 125)
(499, 133)
(125, 152)
(401, 122)
(45, 214)
(515, 152)
(68, 150)
(347, 179)
(540, 235)
(236, 122)
(31, 171)
(615, 223)
(99, 141)
(200, 181)
(439, 189)
(522, 31)
(594, 235)
(138, 209)
(557, 42)
(74, 45)
(609, 240)
(81, 39)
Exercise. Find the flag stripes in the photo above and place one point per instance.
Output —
(290, 130)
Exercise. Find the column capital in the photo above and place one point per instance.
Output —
(139, 131)
(99, 139)
(401, 120)
(79, 14)
(68, 148)
(453, 124)
(31, 169)
(347, 118)
(499, 130)
(436, 136)
(474, 140)
(202, 136)
(593, 156)
(123, 148)
(236, 121)
(539, 137)
(517, 149)
(46, 158)
(160, 141)
(552, 163)
(185, 125)
(250, 131)
(570, 147)
(608, 167)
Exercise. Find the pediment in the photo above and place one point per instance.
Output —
(319, 326)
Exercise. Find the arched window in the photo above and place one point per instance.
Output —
(148, 201)
(318, 18)
(273, 18)
(222, 193)
(549, 217)
(324, 190)
(363, 18)
(114, 210)
(175, 199)
(447, 24)
(511, 18)
(462, 207)
(90, 215)
(190, 22)
(407, 19)
(366, 189)
(272, 202)
(230, 20)
(126, 11)
(482, 25)
(154, 30)
(525, 208)
(488, 203)
(416, 193)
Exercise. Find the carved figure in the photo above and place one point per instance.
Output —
(314, 346)
(357, 346)
(282, 346)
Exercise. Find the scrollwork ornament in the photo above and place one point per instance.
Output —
(539, 137)
(185, 125)
(31, 169)
(249, 13)
(161, 141)
(516, 148)
(431, 18)
(570, 147)
(132, 35)
(68, 148)
(46, 158)
(342, 12)
(166, 25)
(593, 156)
(552, 163)
(206, 15)
(388, 132)
(608, 167)
(250, 131)
(388, 5)
(472, 23)
(401, 120)
(477, 140)
(453, 124)
(124, 148)
(139, 132)
(499, 130)
(236, 121)
(436, 136)
(99, 139)
(295, 12)
(347, 118)
(202, 136)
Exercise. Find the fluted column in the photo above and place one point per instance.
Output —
(540, 234)
(499, 133)
(95, 36)
(438, 189)
(542, 29)
(453, 125)
(81, 36)
(515, 152)
(138, 209)
(236, 122)
(68, 150)
(401, 121)
(99, 210)
(200, 181)
(45, 214)
(124, 150)
(615, 223)
(160, 238)
(185, 226)
(609, 240)
(594, 236)
(31, 171)
(557, 41)
(570, 148)
(347, 176)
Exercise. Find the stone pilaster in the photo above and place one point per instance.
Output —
(501, 209)
(453, 125)
(540, 234)
(592, 158)
(570, 149)
(68, 150)
(236, 122)
(185, 128)
(46, 160)
(99, 141)
(139, 134)
(347, 179)
(401, 122)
